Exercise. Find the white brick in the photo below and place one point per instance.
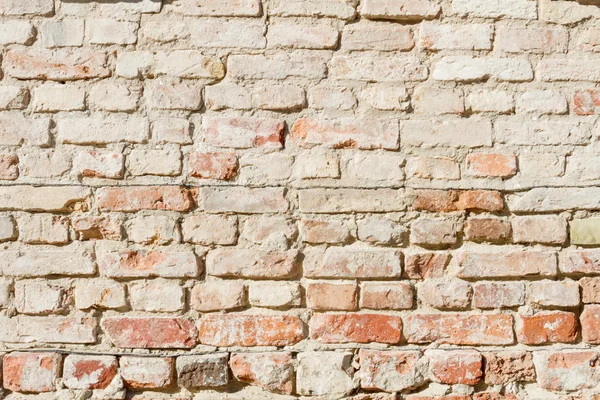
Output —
(385, 97)
(210, 229)
(429, 100)
(471, 69)
(568, 69)
(449, 133)
(380, 36)
(166, 162)
(527, 132)
(8, 229)
(317, 35)
(164, 95)
(554, 199)
(32, 297)
(218, 32)
(156, 296)
(279, 97)
(99, 293)
(342, 9)
(102, 130)
(43, 228)
(17, 130)
(53, 97)
(225, 95)
(110, 96)
(13, 97)
(274, 294)
(377, 68)
(520, 9)
(542, 102)
(491, 101)
(152, 229)
(435, 36)
(331, 98)
(316, 164)
(107, 31)
(16, 32)
(62, 33)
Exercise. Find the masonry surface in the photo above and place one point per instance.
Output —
(317, 199)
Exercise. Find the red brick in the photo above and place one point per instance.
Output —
(386, 295)
(459, 329)
(31, 372)
(586, 102)
(250, 330)
(220, 166)
(458, 200)
(244, 132)
(56, 65)
(547, 327)
(356, 328)
(132, 199)
(9, 167)
(455, 367)
(493, 230)
(272, 371)
(326, 296)
(590, 323)
(504, 367)
(491, 165)
(390, 371)
(89, 372)
(426, 265)
(150, 332)
(346, 134)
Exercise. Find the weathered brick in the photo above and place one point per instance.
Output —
(426, 265)
(497, 101)
(329, 201)
(385, 97)
(487, 229)
(243, 132)
(341, 328)
(89, 372)
(458, 200)
(586, 102)
(580, 261)
(325, 373)
(433, 36)
(377, 230)
(491, 165)
(402, 10)
(471, 69)
(438, 168)
(19, 130)
(498, 294)
(167, 263)
(248, 263)
(590, 321)
(40, 260)
(110, 96)
(163, 162)
(542, 132)
(455, 367)
(542, 102)
(566, 370)
(106, 130)
(16, 32)
(33, 7)
(250, 330)
(539, 229)
(459, 329)
(91, 227)
(188, 64)
(567, 69)
(428, 133)
(590, 290)
(391, 371)
(504, 367)
(378, 68)
(218, 295)
(377, 36)
(324, 231)
(99, 164)
(243, 200)
(274, 294)
(546, 327)
(518, 9)
(65, 33)
(219, 8)
(324, 296)
(344, 9)
(508, 263)
(146, 372)
(318, 35)
(132, 199)
(156, 296)
(450, 295)
(435, 232)
(55, 65)
(108, 31)
(31, 372)
(39, 298)
(344, 133)
(48, 330)
(202, 371)
(277, 66)
(532, 40)
(9, 167)
(353, 263)
(150, 332)
(331, 98)
(210, 229)
(102, 294)
(273, 372)
(171, 130)
(386, 296)
(13, 97)
(554, 293)
(432, 100)
(54, 97)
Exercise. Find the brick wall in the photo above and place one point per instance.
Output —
(276, 199)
